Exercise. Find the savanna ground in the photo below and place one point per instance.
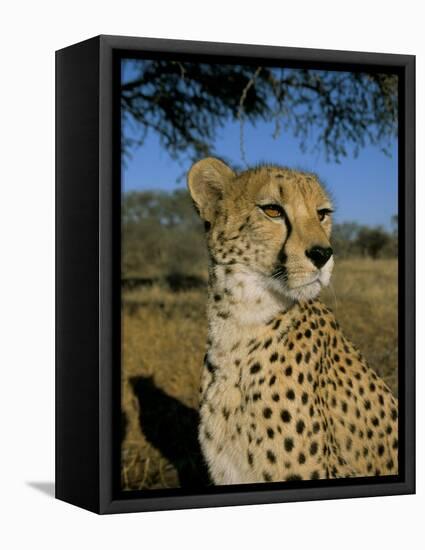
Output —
(163, 342)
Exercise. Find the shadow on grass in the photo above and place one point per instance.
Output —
(172, 428)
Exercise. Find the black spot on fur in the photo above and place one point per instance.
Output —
(267, 343)
(271, 457)
(294, 477)
(313, 448)
(290, 394)
(285, 416)
(300, 426)
(267, 412)
(223, 314)
(288, 443)
(256, 367)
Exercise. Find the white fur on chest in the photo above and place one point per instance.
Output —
(239, 308)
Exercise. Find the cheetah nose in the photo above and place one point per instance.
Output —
(319, 255)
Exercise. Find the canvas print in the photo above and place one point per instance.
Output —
(259, 274)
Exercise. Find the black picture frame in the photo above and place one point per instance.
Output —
(88, 276)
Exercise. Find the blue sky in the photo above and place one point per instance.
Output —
(364, 188)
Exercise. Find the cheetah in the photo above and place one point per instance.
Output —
(284, 394)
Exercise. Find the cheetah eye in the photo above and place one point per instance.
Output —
(323, 213)
(272, 210)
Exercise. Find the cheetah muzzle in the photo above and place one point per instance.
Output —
(284, 395)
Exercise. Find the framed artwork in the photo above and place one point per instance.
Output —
(235, 274)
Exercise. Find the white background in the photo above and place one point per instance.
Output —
(29, 34)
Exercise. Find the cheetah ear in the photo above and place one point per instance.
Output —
(207, 180)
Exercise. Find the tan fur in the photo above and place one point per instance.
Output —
(284, 394)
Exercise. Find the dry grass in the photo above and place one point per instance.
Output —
(164, 337)
(364, 296)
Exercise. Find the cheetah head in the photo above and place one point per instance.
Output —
(272, 222)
